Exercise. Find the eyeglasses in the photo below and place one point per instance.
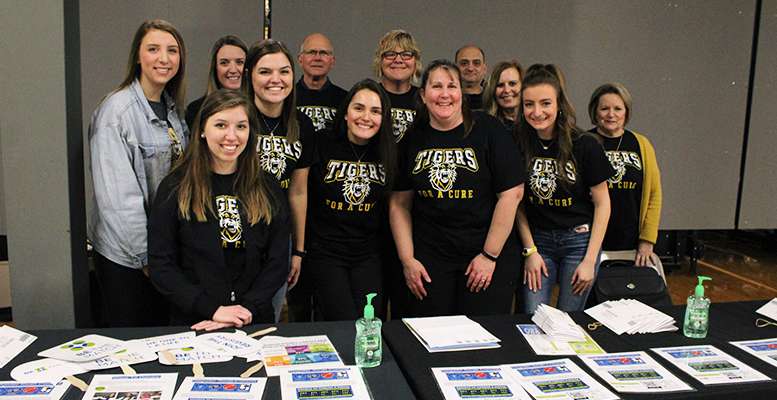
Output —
(320, 53)
(391, 55)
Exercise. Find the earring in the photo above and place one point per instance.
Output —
(202, 135)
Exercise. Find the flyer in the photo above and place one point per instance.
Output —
(477, 383)
(12, 342)
(11, 390)
(45, 370)
(165, 342)
(634, 372)
(543, 344)
(235, 344)
(765, 349)
(710, 366)
(85, 348)
(192, 355)
(281, 353)
(323, 383)
(558, 379)
(221, 388)
(132, 387)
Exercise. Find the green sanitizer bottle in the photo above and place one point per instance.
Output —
(697, 312)
(368, 346)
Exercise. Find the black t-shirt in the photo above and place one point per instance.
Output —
(159, 109)
(277, 156)
(227, 207)
(320, 105)
(625, 191)
(345, 199)
(552, 203)
(475, 101)
(402, 111)
(191, 112)
(455, 181)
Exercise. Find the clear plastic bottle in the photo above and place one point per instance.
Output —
(697, 312)
(368, 348)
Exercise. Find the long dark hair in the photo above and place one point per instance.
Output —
(289, 110)
(384, 139)
(564, 129)
(229, 40)
(194, 191)
(175, 87)
(422, 114)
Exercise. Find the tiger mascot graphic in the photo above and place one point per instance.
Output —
(274, 162)
(543, 184)
(229, 222)
(620, 169)
(442, 176)
(356, 189)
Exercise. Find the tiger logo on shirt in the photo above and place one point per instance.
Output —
(273, 163)
(443, 164)
(543, 178)
(442, 176)
(620, 160)
(356, 189)
(274, 151)
(229, 221)
(356, 178)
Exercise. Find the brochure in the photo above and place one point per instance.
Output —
(765, 349)
(634, 372)
(558, 379)
(710, 366)
(323, 383)
(281, 353)
(477, 383)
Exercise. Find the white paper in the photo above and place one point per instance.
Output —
(631, 316)
(546, 345)
(131, 387)
(634, 372)
(769, 309)
(474, 383)
(557, 323)
(235, 344)
(132, 354)
(165, 342)
(280, 353)
(191, 355)
(221, 388)
(558, 379)
(12, 342)
(10, 390)
(323, 383)
(710, 366)
(85, 348)
(451, 333)
(765, 349)
(45, 370)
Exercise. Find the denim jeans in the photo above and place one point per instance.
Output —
(562, 250)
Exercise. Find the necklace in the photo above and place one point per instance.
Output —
(356, 154)
(267, 125)
(544, 146)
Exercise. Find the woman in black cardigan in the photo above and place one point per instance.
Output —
(218, 231)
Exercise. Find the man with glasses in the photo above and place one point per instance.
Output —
(317, 96)
(472, 63)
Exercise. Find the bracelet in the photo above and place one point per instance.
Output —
(299, 253)
(527, 251)
(485, 254)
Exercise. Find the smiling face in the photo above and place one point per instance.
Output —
(508, 90)
(226, 133)
(611, 115)
(317, 56)
(229, 66)
(363, 116)
(159, 58)
(472, 65)
(540, 108)
(442, 97)
(272, 81)
(398, 68)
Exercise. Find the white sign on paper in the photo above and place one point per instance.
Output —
(234, 344)
(45, 370)
(193, 355)
(12, 342)
(128, 356)
(85, 348)
(164, 342)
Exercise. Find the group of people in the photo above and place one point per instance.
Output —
(451, 197)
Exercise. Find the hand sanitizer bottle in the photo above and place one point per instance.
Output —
(697, 312)
(368, 346)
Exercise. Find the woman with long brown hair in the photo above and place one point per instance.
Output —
(563, 220)
(503, 92)
(218, 230)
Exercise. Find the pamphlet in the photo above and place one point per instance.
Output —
(558, 379)
(469, 383)
(634, 372)
(282, 353)
(709, 365)
(323, 383)
(132, 387)
(221, 389)
(546, 345)
(11, 390)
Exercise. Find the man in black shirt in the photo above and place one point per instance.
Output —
(317, 97)
(472, 63)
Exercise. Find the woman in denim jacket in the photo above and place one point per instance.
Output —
(135, 136)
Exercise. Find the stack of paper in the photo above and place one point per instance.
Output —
(769, 309)
(546, 345)
(557, 324)
(451, 333)
(631, 316)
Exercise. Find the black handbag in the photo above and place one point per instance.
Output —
(620, 279)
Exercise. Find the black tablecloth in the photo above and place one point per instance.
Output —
(728, 322)
(385, 381)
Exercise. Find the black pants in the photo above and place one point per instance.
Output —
(341, 287)
(447, 294)
(299, 299)
(129, 298)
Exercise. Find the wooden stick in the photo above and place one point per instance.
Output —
(252, 370)
(77, 382)
(127, 370)
(168, 356)
(263, 332)
(197, 370)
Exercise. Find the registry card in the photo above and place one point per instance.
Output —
(473, 383)
(710, 366)
(221, 388)
(323, 383)
(558, 379)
